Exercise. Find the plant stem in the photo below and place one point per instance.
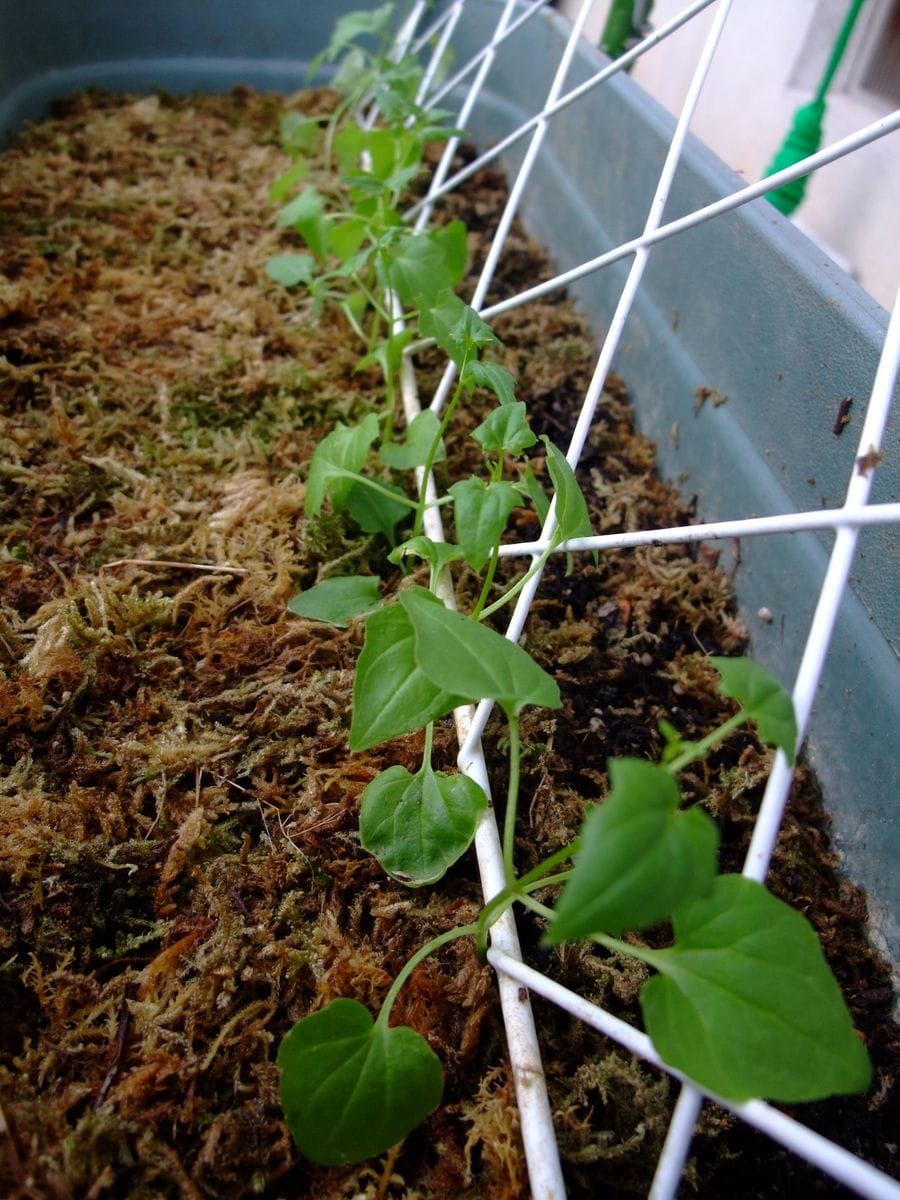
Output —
(389, 383)
(512, 799)
(611, 943)
(398, 497)
(699, 749)
(535, 905)
(410, 965)
(432, 452)
(536, 566)
(537, 874)
(491, 912)
(548, 880)
(426, 752)
(488, 582)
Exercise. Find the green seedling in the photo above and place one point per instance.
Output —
(742, 1001)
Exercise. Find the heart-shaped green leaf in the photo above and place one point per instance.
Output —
(352, 1088)
(391, 693)
(298, 133)
(452, 237)
(419, 825)
(640, 856)
(465, 657)
(291, 269)
(572, 519)
(505, 429)
(416, 447)
(762, 698)
(480, 513)
(305, 214)
(338, 600)
(493, 377)
(343, 450)
(374, 512)
(455, 326)
(745, 1003)
(416, 268)
(436, 554)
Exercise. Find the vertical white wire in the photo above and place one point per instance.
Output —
(768, 823)
(498, 241)
(407, 29)
(653, 38)
(447, 87)
(671, 1162)
(617, 325)
(833, 586)
(532, 1100)
(437, 55)
(440, 172)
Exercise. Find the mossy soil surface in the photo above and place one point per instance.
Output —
(180, 870)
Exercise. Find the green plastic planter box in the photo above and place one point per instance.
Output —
(744, 305)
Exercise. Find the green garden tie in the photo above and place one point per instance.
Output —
(805, 135)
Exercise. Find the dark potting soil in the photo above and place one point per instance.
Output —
(180, 870)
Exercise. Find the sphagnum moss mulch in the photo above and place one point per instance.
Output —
(181, 874)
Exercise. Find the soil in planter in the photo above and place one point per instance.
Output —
(181, 876)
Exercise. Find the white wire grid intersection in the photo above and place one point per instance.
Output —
(540, 1147)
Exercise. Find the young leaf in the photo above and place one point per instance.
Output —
(480, 513)
(536, 494)
(337, 601)
(455, 326)
(391, 693)
(436, 554)
(419, 825)
(640, 856)
(291, 269)
(452, 240)
(493, 377)
(460, 655)
(304, 214)
(572, 518)
(353, 25)
(414, 451)
(298, 133)
(351, 1088)
(505, 430)
(374, 512)
(745, 1003)
(762, 698)
(344, 449)
(388, 354)
(345, 239)
(353, 73)
(287, 181)
(416, 269)
(675, 743)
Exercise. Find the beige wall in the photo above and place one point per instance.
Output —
(852, 207)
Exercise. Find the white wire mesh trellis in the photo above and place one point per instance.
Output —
(846, 521)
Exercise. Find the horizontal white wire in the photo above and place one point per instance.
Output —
(855, 141)
(839, 1163)
(850, 517)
